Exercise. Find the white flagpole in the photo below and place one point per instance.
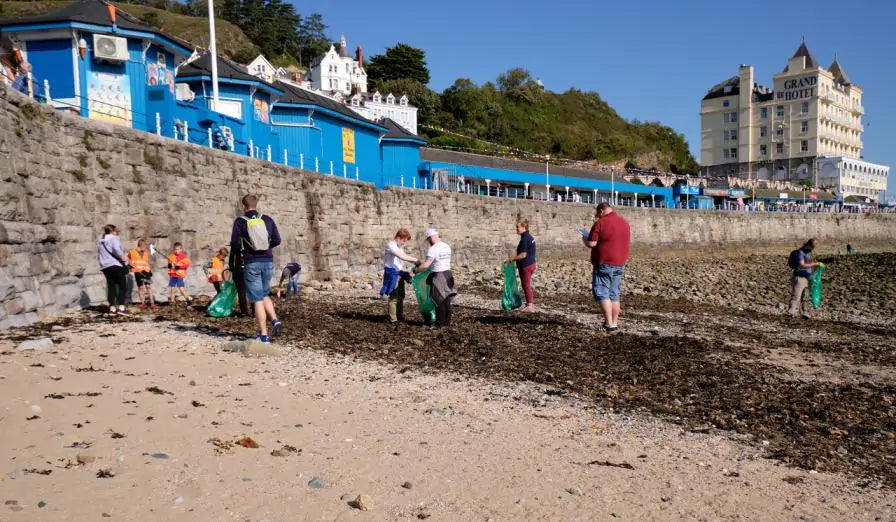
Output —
(213, 53)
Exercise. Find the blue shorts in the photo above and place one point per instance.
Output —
(258, 280)
(605, 282)
(175, 282)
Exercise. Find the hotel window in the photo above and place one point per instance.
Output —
(763, 131)
(734, 135)
(779, 148)
(780, 110)
(726, 103)
(733, 117)
(804, 127)
(763, 112)
(725, 153)
(726, 135)
(733, 153)
(763, 150)
(805, 107)
(804, 146)
(779, 131)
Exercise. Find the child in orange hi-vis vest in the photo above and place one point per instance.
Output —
(216, 269)
(177, 272)
(141, 268)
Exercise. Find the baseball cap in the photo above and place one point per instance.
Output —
(431, 232)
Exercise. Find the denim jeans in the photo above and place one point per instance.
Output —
(606, 281)
(292, 287)
(258, 280)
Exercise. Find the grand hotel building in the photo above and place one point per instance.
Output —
(807, 127)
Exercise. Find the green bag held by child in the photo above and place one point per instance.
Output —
(222, 304)
(815, 286)
(511, 298)
(424, 300)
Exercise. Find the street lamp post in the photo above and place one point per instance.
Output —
(613, 185)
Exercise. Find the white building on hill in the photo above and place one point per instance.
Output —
(376, 107)
(340, 76)
(337, 71)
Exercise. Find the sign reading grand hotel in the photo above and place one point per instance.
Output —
(798, 88)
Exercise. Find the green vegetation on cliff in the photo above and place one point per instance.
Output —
(516, 112)
(232, 42)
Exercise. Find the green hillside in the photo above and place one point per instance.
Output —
(574, 124)
(232, 42)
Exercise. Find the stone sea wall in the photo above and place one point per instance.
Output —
(63, 177)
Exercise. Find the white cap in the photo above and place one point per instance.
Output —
(431, 232)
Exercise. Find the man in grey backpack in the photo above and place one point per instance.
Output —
(254, 235)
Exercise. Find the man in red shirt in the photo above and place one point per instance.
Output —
(610, 243)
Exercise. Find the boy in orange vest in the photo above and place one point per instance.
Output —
(140, 267)
(177, 272)
(216, 269)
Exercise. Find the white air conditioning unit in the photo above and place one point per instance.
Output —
(183, 92)
(110, 48)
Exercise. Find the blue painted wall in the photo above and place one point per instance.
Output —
(302, 138)
(52, 60)
(400, 159)
(260, 134)
(321, 138)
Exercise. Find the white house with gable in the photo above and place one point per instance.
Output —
(262, 68)
(337, 71)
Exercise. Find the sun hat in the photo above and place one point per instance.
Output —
(431, 232)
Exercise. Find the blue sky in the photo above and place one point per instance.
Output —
(650, 59)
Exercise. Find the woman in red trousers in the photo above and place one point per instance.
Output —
(525, 261)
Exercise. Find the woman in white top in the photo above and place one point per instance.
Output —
(111, 257)
(441, 280)
(394, 275)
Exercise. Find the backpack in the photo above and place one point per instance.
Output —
(257, 232)
(793, 261)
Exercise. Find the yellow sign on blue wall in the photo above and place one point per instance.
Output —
(348, 145)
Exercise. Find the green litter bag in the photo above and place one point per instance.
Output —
(424, 300)
(815, 287)
(511, 298)
(222, 304)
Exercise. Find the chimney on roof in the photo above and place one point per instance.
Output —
(359, 55)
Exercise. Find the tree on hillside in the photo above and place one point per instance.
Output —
(399, 62)
(464, 105)
(519, 85)
(311, 38)
(514, 78)
(275, 27)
